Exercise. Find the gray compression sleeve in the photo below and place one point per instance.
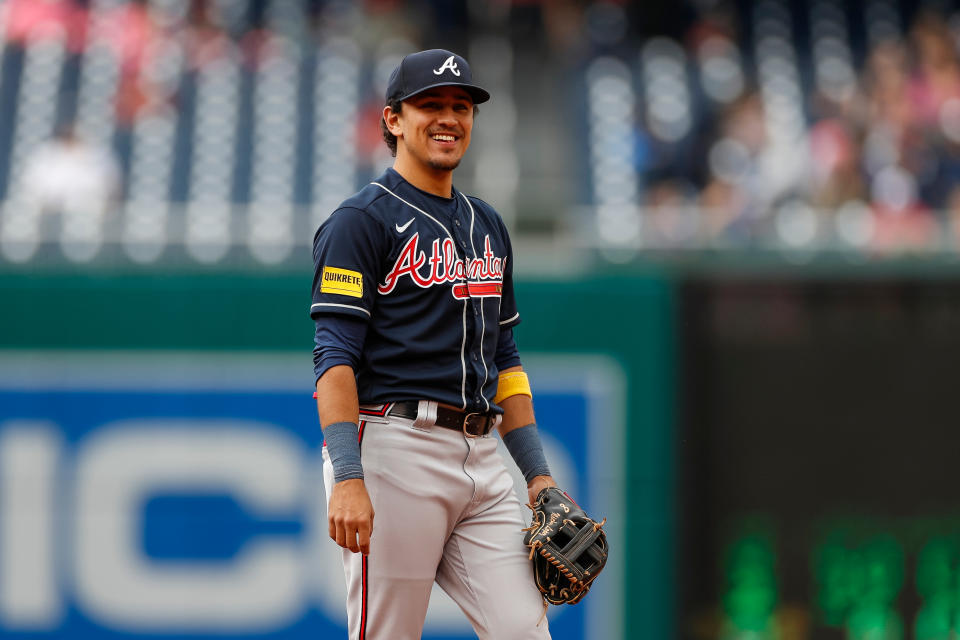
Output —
(343, 447)
(525, 448)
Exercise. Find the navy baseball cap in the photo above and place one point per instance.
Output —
(432, 68)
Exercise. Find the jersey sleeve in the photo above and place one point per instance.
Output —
(346, 264)
(338, 339)
(507, 354)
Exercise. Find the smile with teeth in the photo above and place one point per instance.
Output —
(443, 137)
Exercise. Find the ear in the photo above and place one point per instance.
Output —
(392, 119)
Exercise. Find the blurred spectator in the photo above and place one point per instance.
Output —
(134, 33)
(836, 176)
(131, 30)
(70, 177)
(936, 73)
(28, 20)
(887, 146)
(886, 80)
(563, 28)
(258, 42)
(735, 184)
(891, 143)
(671, 219)
(902, 220)
(202, 34)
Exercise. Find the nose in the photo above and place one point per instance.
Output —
(448, 117)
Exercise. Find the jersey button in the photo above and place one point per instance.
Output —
(456, 222)
(474, 355)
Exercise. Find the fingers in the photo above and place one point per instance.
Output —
(352, 533)
(344, 537)
(351, 516)
(364, 535)
(352, 528)
(538, 484)
(339, 532)
(350, 542)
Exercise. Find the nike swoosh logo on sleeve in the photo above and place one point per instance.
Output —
(401, 229)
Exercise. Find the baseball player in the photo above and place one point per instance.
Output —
(416, 365)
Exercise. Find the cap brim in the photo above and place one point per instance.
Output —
(479, 94)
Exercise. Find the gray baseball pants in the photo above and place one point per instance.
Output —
(445, 511)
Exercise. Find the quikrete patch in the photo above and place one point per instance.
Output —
(342, 281)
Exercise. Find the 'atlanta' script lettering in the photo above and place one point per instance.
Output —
(443, 266)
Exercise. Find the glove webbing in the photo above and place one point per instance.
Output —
(582, 541)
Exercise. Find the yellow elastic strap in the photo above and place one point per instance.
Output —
(514, 383)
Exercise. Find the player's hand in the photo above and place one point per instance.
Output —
(350, 516)
(536, 485)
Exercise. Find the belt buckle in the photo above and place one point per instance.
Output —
(466, 422)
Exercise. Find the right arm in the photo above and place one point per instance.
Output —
(350, 512)
(349, 243)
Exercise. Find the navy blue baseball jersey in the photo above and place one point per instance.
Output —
(432, 277)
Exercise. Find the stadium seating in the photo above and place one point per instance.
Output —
(227, 130)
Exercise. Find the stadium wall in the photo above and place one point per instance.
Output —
(101, 367)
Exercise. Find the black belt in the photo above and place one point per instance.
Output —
(472, 424)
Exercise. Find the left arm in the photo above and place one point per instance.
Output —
(518, 413)
(518, 428)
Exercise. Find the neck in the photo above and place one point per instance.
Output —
(439, 182)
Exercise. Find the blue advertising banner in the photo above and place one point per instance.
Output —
(180, 495)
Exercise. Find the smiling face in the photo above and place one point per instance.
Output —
(433, 129)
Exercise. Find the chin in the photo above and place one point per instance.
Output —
(444, 164)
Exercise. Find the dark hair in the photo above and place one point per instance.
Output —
(396, 106)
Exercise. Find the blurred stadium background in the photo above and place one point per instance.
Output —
(737, 227)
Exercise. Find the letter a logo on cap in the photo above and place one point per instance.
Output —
(448, 64)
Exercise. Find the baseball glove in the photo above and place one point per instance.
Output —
(567, 547)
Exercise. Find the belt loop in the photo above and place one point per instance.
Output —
(426, 414)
